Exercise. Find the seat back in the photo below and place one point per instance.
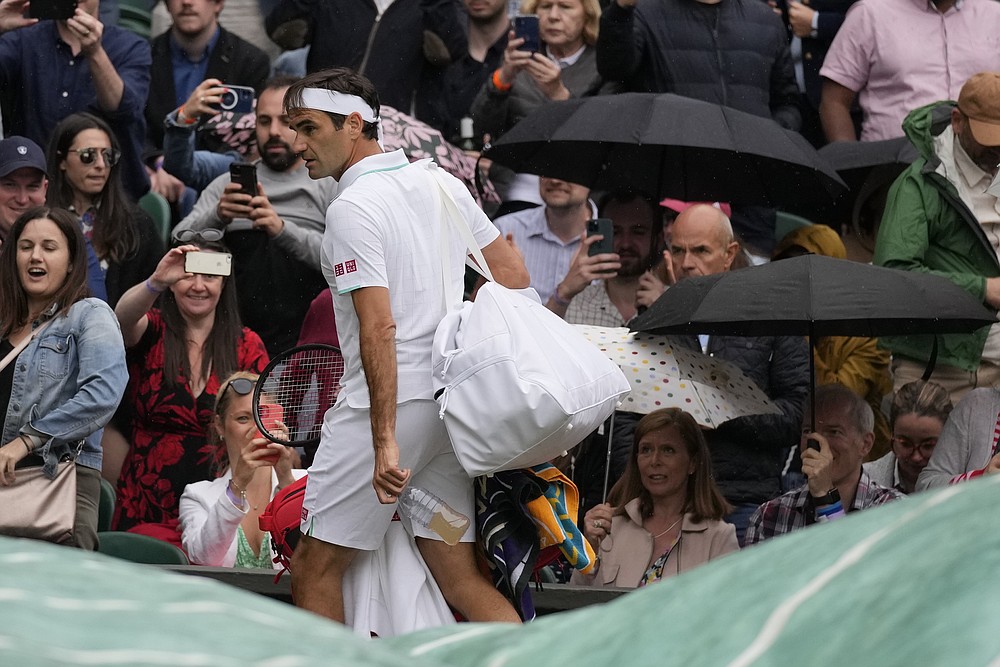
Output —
(139, 549)
(159, 210)
(106, 506)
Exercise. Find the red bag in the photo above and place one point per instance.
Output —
(282, 518)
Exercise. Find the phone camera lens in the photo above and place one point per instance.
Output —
(228, 100)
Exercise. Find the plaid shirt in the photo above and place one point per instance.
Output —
(593, 306)
(795, 509)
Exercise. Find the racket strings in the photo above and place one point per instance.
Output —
(305, 385)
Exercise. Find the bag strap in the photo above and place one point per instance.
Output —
(996, 436)
(20, 346)
(452, 214)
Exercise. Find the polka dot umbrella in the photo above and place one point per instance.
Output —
(662, 375)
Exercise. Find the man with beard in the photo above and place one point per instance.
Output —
(601, 290)
(275, 234)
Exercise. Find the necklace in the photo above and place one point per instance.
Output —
(668, 529)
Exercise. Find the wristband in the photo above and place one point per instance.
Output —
(558, 299)
(834, 511)
(185, 119)
(27, 443)
(152, 289)
(498, 82)
(239, 503)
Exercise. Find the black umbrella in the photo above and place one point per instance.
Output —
(669, 146)
(864, 166)
(814, 296)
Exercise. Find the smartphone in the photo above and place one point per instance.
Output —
(526, 27)
(245, 174)
(238, 99)
(270, 415)
(603, 227)
(209, 263)
(57, 10)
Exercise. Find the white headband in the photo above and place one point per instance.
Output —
(321, 99)
(343, 104)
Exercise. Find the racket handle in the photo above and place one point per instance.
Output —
(426, 509)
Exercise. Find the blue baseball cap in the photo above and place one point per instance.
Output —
(17, 152)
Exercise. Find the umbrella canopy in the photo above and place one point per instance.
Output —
(669, 146)
(815, 296)
(865, 166)
(419, 140)
(661, 375)
(901, 584)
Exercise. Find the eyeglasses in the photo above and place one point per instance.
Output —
(241, 386)
(89, 155)
(906, 446)
(210, 235)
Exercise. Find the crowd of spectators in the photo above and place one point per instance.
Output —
(123, 119)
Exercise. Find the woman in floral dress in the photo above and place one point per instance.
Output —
(176, 352)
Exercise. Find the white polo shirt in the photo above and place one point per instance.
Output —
(383, 230)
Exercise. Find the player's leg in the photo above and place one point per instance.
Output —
(317, 571)
(464, 587)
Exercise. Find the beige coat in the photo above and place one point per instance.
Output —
(627, 552)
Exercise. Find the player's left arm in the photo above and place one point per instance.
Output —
(506, 263)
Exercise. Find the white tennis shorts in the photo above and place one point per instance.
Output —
(340, 505)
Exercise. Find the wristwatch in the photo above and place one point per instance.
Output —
(832, 496)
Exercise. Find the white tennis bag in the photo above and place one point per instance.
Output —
(517, 385)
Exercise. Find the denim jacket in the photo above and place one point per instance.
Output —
(68, 382)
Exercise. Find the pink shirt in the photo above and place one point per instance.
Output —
(902, 54)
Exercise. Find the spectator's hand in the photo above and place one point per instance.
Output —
(991, 468)
(200, 102)
(547, 75)
(650, 289)
(259, 452)
(584, 269)
(800, 18)
(597, 524)
(166, 184)
(10, 454)
(816, 465)
(234, 203)
(264, 216)
(774, 7)
(513, 59)
(88, 31)
(170, 269)
(389, 479)
(12, 15)
(625, 4)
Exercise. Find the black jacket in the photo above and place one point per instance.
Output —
(389, 51)
(747, 452)
(733, 53)
(233, 60)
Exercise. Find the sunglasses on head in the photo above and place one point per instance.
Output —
(204, 235)
(241, 386)
(89, 155)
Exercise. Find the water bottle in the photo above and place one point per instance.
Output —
(467, 131)
(431, 512)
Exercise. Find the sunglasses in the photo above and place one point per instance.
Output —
(204, 235)
(89, 155)
(241, 386)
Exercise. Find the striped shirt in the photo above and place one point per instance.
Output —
(546, 256)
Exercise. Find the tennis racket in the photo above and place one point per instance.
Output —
(294, 391)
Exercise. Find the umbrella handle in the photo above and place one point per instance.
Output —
(607, 461)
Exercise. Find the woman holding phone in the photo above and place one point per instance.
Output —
(84, 167)
(564, 67)
(219, 518)
(183, 333)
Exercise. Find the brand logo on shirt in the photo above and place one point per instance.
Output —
(305, 514)
(350, 266)
(338, 269)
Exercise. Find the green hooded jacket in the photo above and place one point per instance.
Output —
(926, 227)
